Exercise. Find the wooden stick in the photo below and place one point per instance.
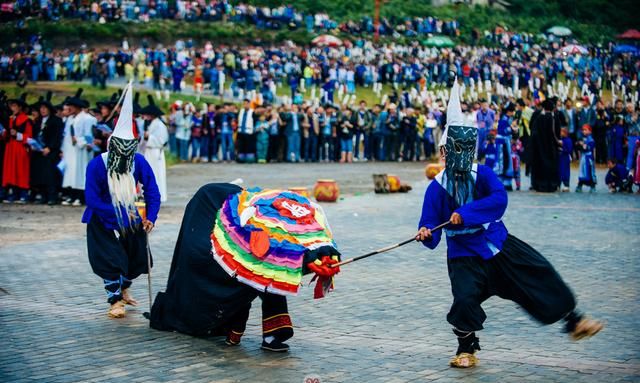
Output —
(149, 271)
(385, 249)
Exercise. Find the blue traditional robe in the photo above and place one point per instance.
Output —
(504, 166)
(482, 233)
(490, 155)
(587, 167)
(616, 176)
(565, 161)
(98, 197)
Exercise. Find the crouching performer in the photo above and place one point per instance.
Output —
(483, 259)
(236, 245)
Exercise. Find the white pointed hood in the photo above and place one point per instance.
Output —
(454, 111)
(124, 126)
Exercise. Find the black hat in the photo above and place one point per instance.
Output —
(110, 103)
(76, 100)
(509, 107)
(22, 101)
(36, 105)
(61, 105)
(47, 102)
(548, 104)
(151, 109)
(136, 104)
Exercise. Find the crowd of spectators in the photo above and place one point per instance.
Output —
(282, 17)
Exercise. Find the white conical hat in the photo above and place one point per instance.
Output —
(124, 126)
(454, 112)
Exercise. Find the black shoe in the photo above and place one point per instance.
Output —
(275, 346)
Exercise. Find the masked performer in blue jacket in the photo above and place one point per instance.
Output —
(483, 258)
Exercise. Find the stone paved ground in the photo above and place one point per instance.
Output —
(384, 323)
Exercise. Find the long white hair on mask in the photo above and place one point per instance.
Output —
(122, 184)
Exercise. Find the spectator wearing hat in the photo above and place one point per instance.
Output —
(15, 170)
(77, 149)
(155, 138)
(45, 177)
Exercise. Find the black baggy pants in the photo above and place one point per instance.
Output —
(518, 273)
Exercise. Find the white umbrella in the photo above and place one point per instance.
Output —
(327, 40)
(559, 31)
(574, 49)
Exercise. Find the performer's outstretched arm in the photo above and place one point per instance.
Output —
(488, 209)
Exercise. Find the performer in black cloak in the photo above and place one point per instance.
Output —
(544, 144)
(45, 176)
(210, 291)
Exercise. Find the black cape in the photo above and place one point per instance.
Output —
(544, 153)
(200, 297)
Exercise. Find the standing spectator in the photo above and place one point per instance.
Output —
(565, 159)
(262, 138)
(326, 119)
(196, 135)
(633, 133)
(293, 120)
(345, 128)
(209, 147)
(44, 172)
(587, 175)
(224, 121)
(601, 126)
(409, 126)
(392, 150)
(311, 142)
(486, 118)
(76, 149)
(362, 131)
(15, 171)
(155, 139)
(183, 123)
(245, 139)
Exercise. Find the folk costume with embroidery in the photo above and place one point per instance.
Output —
(116, 240)
(236, 245)
(483, 258)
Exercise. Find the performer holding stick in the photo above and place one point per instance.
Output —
(483, 258)
(116, 232)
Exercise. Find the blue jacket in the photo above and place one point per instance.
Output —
(482, 232)
(98, 197)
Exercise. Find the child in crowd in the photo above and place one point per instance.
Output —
(196, 136)
(516, 151)
(587, 166)
(489, 151)
(262, 138)
(617, 178)
(565, 159)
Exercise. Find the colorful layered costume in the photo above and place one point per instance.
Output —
(236, 245)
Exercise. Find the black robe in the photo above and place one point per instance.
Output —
(200, 297)
(44, 171)
(544, 153)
